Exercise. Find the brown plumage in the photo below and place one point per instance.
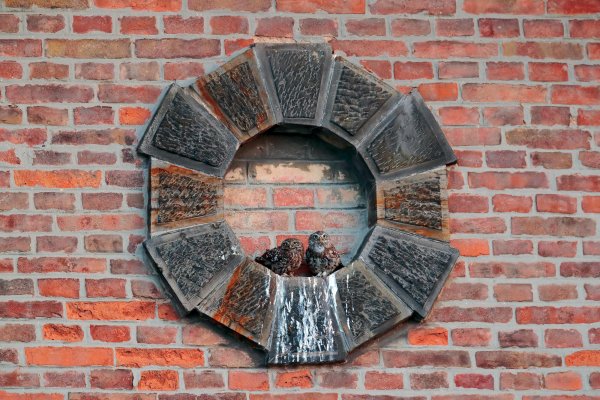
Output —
(321, 255)
(285, 259)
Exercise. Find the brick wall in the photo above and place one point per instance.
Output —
(515, 85)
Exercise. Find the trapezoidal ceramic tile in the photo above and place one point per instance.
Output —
(298, 77)
(365, 305)
(416, 203)
(195, 260)
(245, 303)
(184, 132)
(357, 101)
(409, 140)
(414, 267)
(236, 94)
(181, 197)
(306, 328)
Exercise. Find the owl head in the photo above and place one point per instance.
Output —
(292, 245)
(318, 239)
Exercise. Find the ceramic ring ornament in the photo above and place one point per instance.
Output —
(404, 260)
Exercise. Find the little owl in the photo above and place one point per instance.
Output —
(321, 255)
(285, 259)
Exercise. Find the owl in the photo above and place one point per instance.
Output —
(285, 259)
(321, 255)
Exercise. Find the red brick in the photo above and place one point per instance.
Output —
(253, 381)
(506, 180)
(540, 50)
(438, 91)
(10, 114)
(47, 116)
(557, 249)
(433, 380)
(20, 47)
(434, 358)
(226, 25)
(579, 183)
(147, 5)
(203, 380)
(475, 381)
(505, 159)
(13, 201)
(69, 356)
(337, 379)
(201, 335)
(366, 27)
(158, 380)
(457, 69)
(471, 337)
(275, 27)
(557, 315)
(234, 45)
(430, 7)
(111, 379)
(221, 357)
(428, 336)
(562, 338)
(25, 223)
(17, 333)
(318, 27)
(10, 70)
(477, 225)
(156, 335)
(469, 158)
(467, 203)
(9, 23)
(184, 70)
(54, 244)
(471, 247)
(546, 115)
(185, 358)
(495, 92)
(96, 23)
(111, 310)
(316, 220)
(501, 116)
(45, 23)
(138, 25)
(233, 5)
(88, 48)
(554, 226)
(516, 360)
(110, 333)
(294, 379)
(369, 48)
(563, 381)
(176, 48)
(551, 160)
(448, 49)
(587, 73)
(257, 221)
(573, 95)
(513, 292)
(454, 27)
(32, 309)
(590, 159)
(472, 314)
(93, 115)
(70, 379)
(583, 358)
(108, 287)
(63, 333)
(573, 6)
(19, 379)
(290, 197)
(59, 287)
(61, 264)
(413, 70)
(520, 380)
(557, 292)
(504, 7)
(512, 247)
(543, 28)
(178, 24)
(58, 179)
(548, 72)
(556, 203)
(55, 93)
(584, 28)
(94, 71)
(568, 139)
(590, 204)
(410, 27)
(509, 203)
(580, 269)
(45, 70)
(145, 289)
(148, 71)
(505, 71)
(499, 28)
(54, 201)
(591, 248)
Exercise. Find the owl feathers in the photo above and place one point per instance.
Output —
(321, 255)
(285, 259)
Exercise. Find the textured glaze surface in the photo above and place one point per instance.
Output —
(416, 265)
(366, 303)
(246, 302)
(189, 133)
(357, 98)
(182, 197)
(297, 78)
(406, 141)
(306, 329)
(191, 257)
(236, 93)
(415, 200)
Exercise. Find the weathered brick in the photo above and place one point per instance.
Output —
(176, 48)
